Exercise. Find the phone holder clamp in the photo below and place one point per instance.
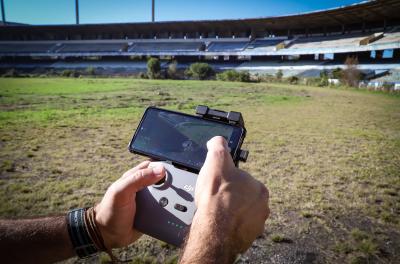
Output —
(230, 117)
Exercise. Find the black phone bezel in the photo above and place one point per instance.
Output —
(237, 138)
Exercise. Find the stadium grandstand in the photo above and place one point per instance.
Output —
(300, 44)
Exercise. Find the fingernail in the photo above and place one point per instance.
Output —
(158, 170)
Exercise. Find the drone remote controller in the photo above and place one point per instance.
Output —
(169, 205)
(165, 210)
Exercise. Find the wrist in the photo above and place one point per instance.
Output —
(85, 233)
(107, 237)
(213, 211)
(209, 218)
(79, 233)
(208, 240)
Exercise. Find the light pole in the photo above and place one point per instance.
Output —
(3, 13)
(152, 10)
(77, 11)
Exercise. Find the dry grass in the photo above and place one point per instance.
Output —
(329, 157)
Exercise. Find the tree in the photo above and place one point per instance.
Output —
(172, 70)
(234, 76)
(351, 74)
(90, 71)
(153, 68)
(293, 80)
(323, 78)
(200, 71)
(279, 75)
(323, 74)
(337, 73)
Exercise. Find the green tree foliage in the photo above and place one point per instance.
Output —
(337, 73)
(153, 68)
(90, 71)
(279, 75)
(173, 70)
(324, 76)
(234, 76)
(200, 71)
(70, 73)
(293, 80)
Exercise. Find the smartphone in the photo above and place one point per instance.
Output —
(180, 138)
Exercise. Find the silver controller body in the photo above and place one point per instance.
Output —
(165, 210)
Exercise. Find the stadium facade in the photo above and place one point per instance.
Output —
(298, 44)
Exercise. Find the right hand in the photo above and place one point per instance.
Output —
(229, 199)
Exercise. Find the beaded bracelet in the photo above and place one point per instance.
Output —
(79, 234)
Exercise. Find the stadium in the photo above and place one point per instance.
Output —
(300, 45)
(73, 94)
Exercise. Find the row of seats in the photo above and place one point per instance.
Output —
(327, 42)
(258, 45)
(167, 47)
(227, 46)
(25, 48)
(214, 46)
(95, 47)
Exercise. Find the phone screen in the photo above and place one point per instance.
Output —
(179, 137)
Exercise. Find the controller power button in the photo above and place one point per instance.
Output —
(180, 207)
(163, 201)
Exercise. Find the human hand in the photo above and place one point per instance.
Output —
(231, 209)
(115, 213)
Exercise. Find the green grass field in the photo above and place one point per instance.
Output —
(330, 158)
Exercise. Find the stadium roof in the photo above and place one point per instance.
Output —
(378, 13)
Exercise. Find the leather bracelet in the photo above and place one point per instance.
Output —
(79, 234)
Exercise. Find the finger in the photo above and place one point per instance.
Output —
(218, 155)
(137, 180)
(142, 165)
(218, 150)
(217, 143)
(218, 165)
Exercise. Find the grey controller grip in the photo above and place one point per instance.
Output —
(165, 211)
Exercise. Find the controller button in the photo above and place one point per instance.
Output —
(160, 182)
(163, 201)
(180, 207)
(163, 181)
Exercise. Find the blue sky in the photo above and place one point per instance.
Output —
(114, 11)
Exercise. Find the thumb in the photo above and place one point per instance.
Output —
(217, 143)
(137, 180)
(218, 161)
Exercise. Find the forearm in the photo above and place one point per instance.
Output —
(209, 242)
(43, 240)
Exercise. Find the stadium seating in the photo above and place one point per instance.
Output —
(92, 47)
(393, 37)
(329, 42)
(227, 46)
(263, 45)
(112, 64)
(25, 47)
(167, 46)
(292, 68)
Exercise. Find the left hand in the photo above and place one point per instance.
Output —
(115, 213)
